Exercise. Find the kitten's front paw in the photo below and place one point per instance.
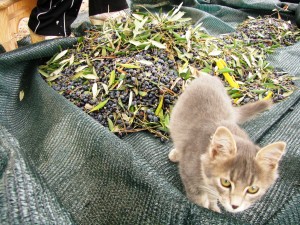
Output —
(202, 200)
(214, 207)
(174, 155)
(205, 202)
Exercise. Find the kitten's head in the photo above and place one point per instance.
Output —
(238, 170)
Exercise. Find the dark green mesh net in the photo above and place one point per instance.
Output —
(60, 166)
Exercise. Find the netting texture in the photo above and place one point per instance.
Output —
(60, 166)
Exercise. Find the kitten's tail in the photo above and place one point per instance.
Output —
(250, 110)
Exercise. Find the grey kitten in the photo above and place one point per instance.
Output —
(217, 160)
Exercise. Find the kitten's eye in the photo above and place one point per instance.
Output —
(225, 183)
(252, 189)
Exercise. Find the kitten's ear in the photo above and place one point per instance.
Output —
(269, 156)
(222, 144)
(197, 73)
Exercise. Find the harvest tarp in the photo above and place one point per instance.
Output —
(60, 166)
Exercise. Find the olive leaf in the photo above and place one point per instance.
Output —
(158, 44)
(145, 62)
(80, 68)
(160, 104)
(129, 66)
(43, 73)
(90, 76)
(100, 105)
(110, 125)
(59, 55)
(130, 99)
(21, 95)
(112, 78)
(105, 87)
(95, 90)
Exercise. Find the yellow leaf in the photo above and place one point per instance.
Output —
(230, 79)
(269, 95)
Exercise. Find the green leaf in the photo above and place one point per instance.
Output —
(125, 117)
(122, 76)
(129, 66)
(121, 81)
(80, 68)
(286, 94)
(188, 55)
(177, 36)
(186, 74)
(259, 91)
(43, 73)
(60, 55)
(188, 35)
(184, 68)
(270, 85)
(233, 90)
(167, 120)
(112, 78)
(143, 36)
(142, 93)
(90, 77)
(77, 75)
(136, 43)
(58, 71)
(215, 52)
(158, 44)
(225, 70)
(100, 105)
(161, 115)
(147, 47)
(198, 27)
(94, 71)
(52, 78)
(138, 16)
(136, 92)
(139, 24)
(160, 104)
(120, 103)
(88, 61)
(80, 39)
(237, 60)
(176, 16)
(206, 70)
(110, 125)
(236, 95)
(247, 60)
(176, 10)
(145, 62)
(103, 53)
(71, 60)
(105, 87)
(64, 61)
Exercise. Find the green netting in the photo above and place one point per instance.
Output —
(59, 166)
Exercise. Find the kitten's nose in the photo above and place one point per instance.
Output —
(234, 206)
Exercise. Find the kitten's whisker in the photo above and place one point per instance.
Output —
(209, 191)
